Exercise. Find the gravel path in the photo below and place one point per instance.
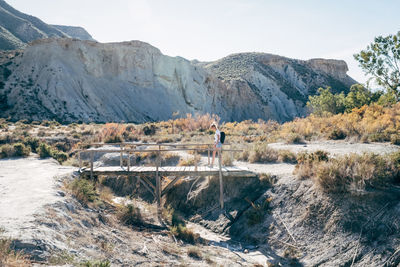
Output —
(26, 186)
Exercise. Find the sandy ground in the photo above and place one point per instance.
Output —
(26, 186)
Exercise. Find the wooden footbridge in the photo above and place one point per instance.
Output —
(129, 149)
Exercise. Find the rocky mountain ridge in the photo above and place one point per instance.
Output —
(18, 29)
(73, 80)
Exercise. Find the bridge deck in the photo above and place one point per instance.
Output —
(168, 170)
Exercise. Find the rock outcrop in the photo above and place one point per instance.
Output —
(17, 29)
(72, 80)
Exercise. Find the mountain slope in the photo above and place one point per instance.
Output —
(73, 80)
(17, 29)
(75, 32)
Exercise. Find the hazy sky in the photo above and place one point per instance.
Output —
(211, 29)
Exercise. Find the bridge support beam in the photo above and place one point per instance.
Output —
(221, 184)
(158, 182)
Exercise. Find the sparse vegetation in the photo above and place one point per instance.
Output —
(46, 151)
(15, 150)
(194, 253)
(102, 263)
(350, 172)
(256, 214)
(9, 257)
(130, 215)
(84, 190)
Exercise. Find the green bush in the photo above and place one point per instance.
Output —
(15, 150)
(46, 151)
(84, 190)
(32, 142)
(20, 150)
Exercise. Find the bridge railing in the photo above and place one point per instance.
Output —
(130, 148)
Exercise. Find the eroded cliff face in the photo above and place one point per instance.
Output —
(73, 80)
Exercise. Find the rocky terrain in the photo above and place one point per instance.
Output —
(73, 80)
(18, 29)
(275, 220)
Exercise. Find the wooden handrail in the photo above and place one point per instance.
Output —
(153, 144)
(157, 190)
(151, 150)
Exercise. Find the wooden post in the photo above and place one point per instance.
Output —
(129, 160)
(208, 150)
(158, 182)
(120, 157)
(195, 160)
(221, 185)
(80, 160)
(91, 164)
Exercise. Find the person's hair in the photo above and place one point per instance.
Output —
(213, 125)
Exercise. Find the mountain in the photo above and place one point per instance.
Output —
(75, 32)
(17, 29)
(73, 80)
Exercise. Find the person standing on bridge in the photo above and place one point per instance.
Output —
(217, 142)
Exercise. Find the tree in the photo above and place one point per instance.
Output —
(381, 60)
(357, 97)
(326, 102)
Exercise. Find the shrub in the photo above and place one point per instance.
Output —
(105, 263)
(256, 214)
(130, 215)
(45, 151)
(190, 161)
(59, 156)
(32, 142)
(183, 233)
(287, 156)
(194, 253)
(149, 129)
(6, 151)
(20, 150)
(294, 138)
(84, 190)
(354, 172)
(15, 150)
(395, 139)
(305, 167)
(262, 153)
(227, 159)
(112, 133)
(337, 134)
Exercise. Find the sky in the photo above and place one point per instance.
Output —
(211, 29)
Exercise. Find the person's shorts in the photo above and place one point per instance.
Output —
(219, 145)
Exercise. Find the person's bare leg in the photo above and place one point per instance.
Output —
(213, 157)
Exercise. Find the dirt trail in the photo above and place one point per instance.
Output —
(26, 186)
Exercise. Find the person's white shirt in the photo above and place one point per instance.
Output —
(217, 136)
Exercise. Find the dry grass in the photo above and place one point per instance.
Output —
(194, 253)
(9, 257)
(190, 161)
(351, 172)
(260, 152)
(372, 123)
(130, 215)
